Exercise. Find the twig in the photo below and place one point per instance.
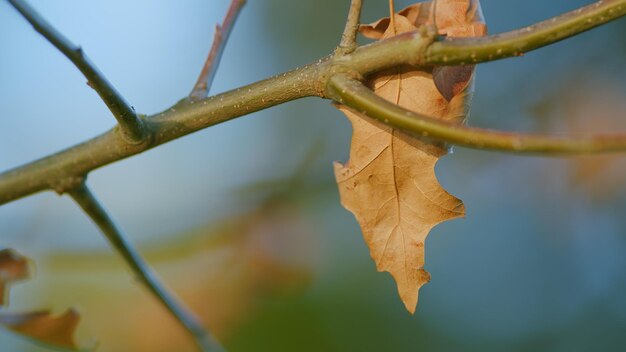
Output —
(348, 38)
(90, 205)
(357, 96)
(460, 51)
(129, 123)
(205, 79)
(311, 80)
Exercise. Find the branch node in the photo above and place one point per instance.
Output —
(427, 35)
(120, 109)
(67, 184)
(140, 141)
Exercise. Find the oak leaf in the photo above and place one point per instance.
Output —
(39, 325)
(389, 183)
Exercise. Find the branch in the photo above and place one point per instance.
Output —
(86, 200)
(52, 172)
(186, 117)
(461, 51)
(201, 89)
(355, 95)
(348, 38)
(131, 126)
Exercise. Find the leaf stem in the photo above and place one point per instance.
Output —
(222, 32)
(392, 17)
(357, 96)
(130, 124)
(92, 207)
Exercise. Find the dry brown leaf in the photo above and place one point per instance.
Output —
(44, 327)
(40, 325)
(389, 183)
(13, 267)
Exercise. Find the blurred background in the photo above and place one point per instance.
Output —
(243, 219)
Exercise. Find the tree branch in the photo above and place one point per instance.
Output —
(186, 117)
(348, 38)
(131, 126)
(53, 171)
(86, 200)
(355, 95)
(461, 51)
(205, 79)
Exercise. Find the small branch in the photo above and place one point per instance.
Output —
(86, 200)
(129, 123)
(348, 38)
(355, 95)
(460, 51)
(203, 85)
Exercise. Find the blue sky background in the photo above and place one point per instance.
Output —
(537, 264)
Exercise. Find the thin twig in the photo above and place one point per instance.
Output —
(128, 120)
(357, 96)
(222, 32)
(90, 205)
(348, 38)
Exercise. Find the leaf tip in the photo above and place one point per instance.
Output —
(409, 292)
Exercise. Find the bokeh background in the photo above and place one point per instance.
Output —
(243, 220)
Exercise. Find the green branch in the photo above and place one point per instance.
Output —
(128, 120)
(90, 205)
(54, 171)
(355, 95)
(460, 51)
